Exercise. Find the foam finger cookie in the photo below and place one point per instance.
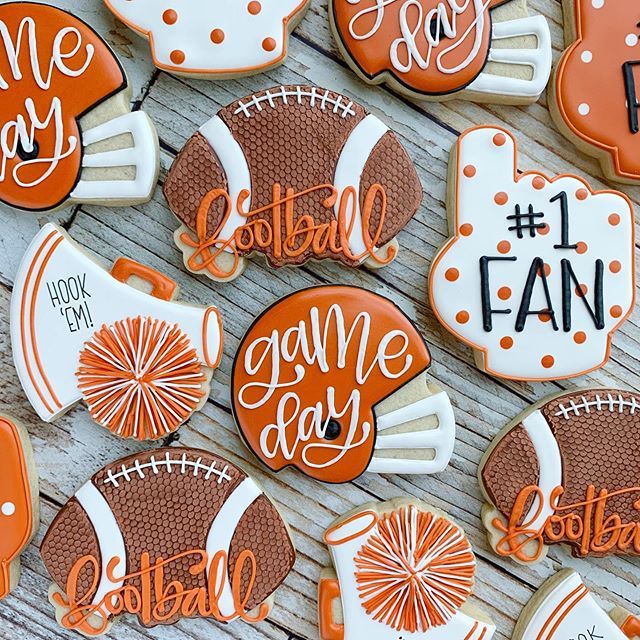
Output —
(19, 501)
(539, 272)
(401, 569)
(166, 534)
(213, 40)
(442, 49)
(295, 173)
(68, 132)
(118, 340)
(332, 380)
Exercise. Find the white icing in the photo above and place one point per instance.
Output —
(221, 534)
(60, 328)
(351, 163)
(589, 223)
(611, 403)
(110, 541)
(8, 509)
(242, 47)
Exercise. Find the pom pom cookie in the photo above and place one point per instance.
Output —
(595, 99)
(566, 471)
(333, 381)
(402, 569)
(68, 132)
(19, 501)
(295, 173)
(213, 39)
(117, 340)
(166, 534)
(540, 272)
(564, 608)
(483, 50)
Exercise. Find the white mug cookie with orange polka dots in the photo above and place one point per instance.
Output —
(539, 272)
(213, 39)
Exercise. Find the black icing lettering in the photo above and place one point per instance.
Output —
(536, 271)
(633, 105)
(526, 222)
(74, 289)
(564, 220)
(485, 288)
(593, 635)
(53, 293)
(63, 291)
(570, 282)
(82, 281)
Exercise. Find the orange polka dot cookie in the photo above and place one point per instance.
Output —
(539, 272)
(595, 96)
(214, 40)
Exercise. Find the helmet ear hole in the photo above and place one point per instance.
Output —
(333, 430)
(25, 155)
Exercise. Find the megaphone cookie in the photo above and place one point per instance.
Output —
(333, 381)
(540, 272)
(141, 361)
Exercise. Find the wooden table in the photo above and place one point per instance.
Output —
(73, 448)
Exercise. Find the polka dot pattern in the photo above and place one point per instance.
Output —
(170, 17)
(8, 509)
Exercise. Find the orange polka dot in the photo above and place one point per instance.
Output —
(466, 229)
(582, 290)
(499, 139)
(579, 337)
(547, 270)
(582, 194)
(268, 44)
(538, 182)
(469, 171)
(501, 198)
(506, 342)
(548, 362)
(462, 317)
(452, 274)
(544, 229)
(615, 266)
(504, 293)
(217, 36)
(616, 311)
(254, 8)
(581, 247)
(177, 56)
(504, 246)
(170, 16)
(544, 316)
(614, 219)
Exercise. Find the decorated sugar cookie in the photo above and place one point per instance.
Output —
(564, 608)
(166, 534)
(215, 40)
(402, 570)
(141, 361)
(595, 96)
(540, 271)
(19, 501)
(295, 173)
(68, 133)
(566, 471)
(333, 381)
(485, 50)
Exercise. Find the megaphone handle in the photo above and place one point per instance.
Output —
(631, 627)
(328, 591)
(161, 286)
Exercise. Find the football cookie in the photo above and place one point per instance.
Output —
(595, 97)
(295, 173)
(540, 272)
(564, 608)
(213, 40)
(402, 570)
(166, 534)
(19, 501)
(566, 471)
(68, 132)
(142, 362)
(333, 381)
(484, 50)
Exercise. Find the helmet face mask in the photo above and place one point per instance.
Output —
(322, 371)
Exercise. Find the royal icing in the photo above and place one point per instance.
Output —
(596, 87)
(141, 362)
(309, 377)
(401, 571)
(540, 272)
(444, 47)
(203, 38)
(54, 69)
(220, 556)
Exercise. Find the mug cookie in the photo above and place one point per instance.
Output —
(141, 361)
(333, 381)
(19, 501)
(213, 40)
(443, 49)
(564, 608)
(540, 272)
(166, 534)
(566, 471)
(594, 97)
(68, 134)
(295, 173)
(402, 570)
